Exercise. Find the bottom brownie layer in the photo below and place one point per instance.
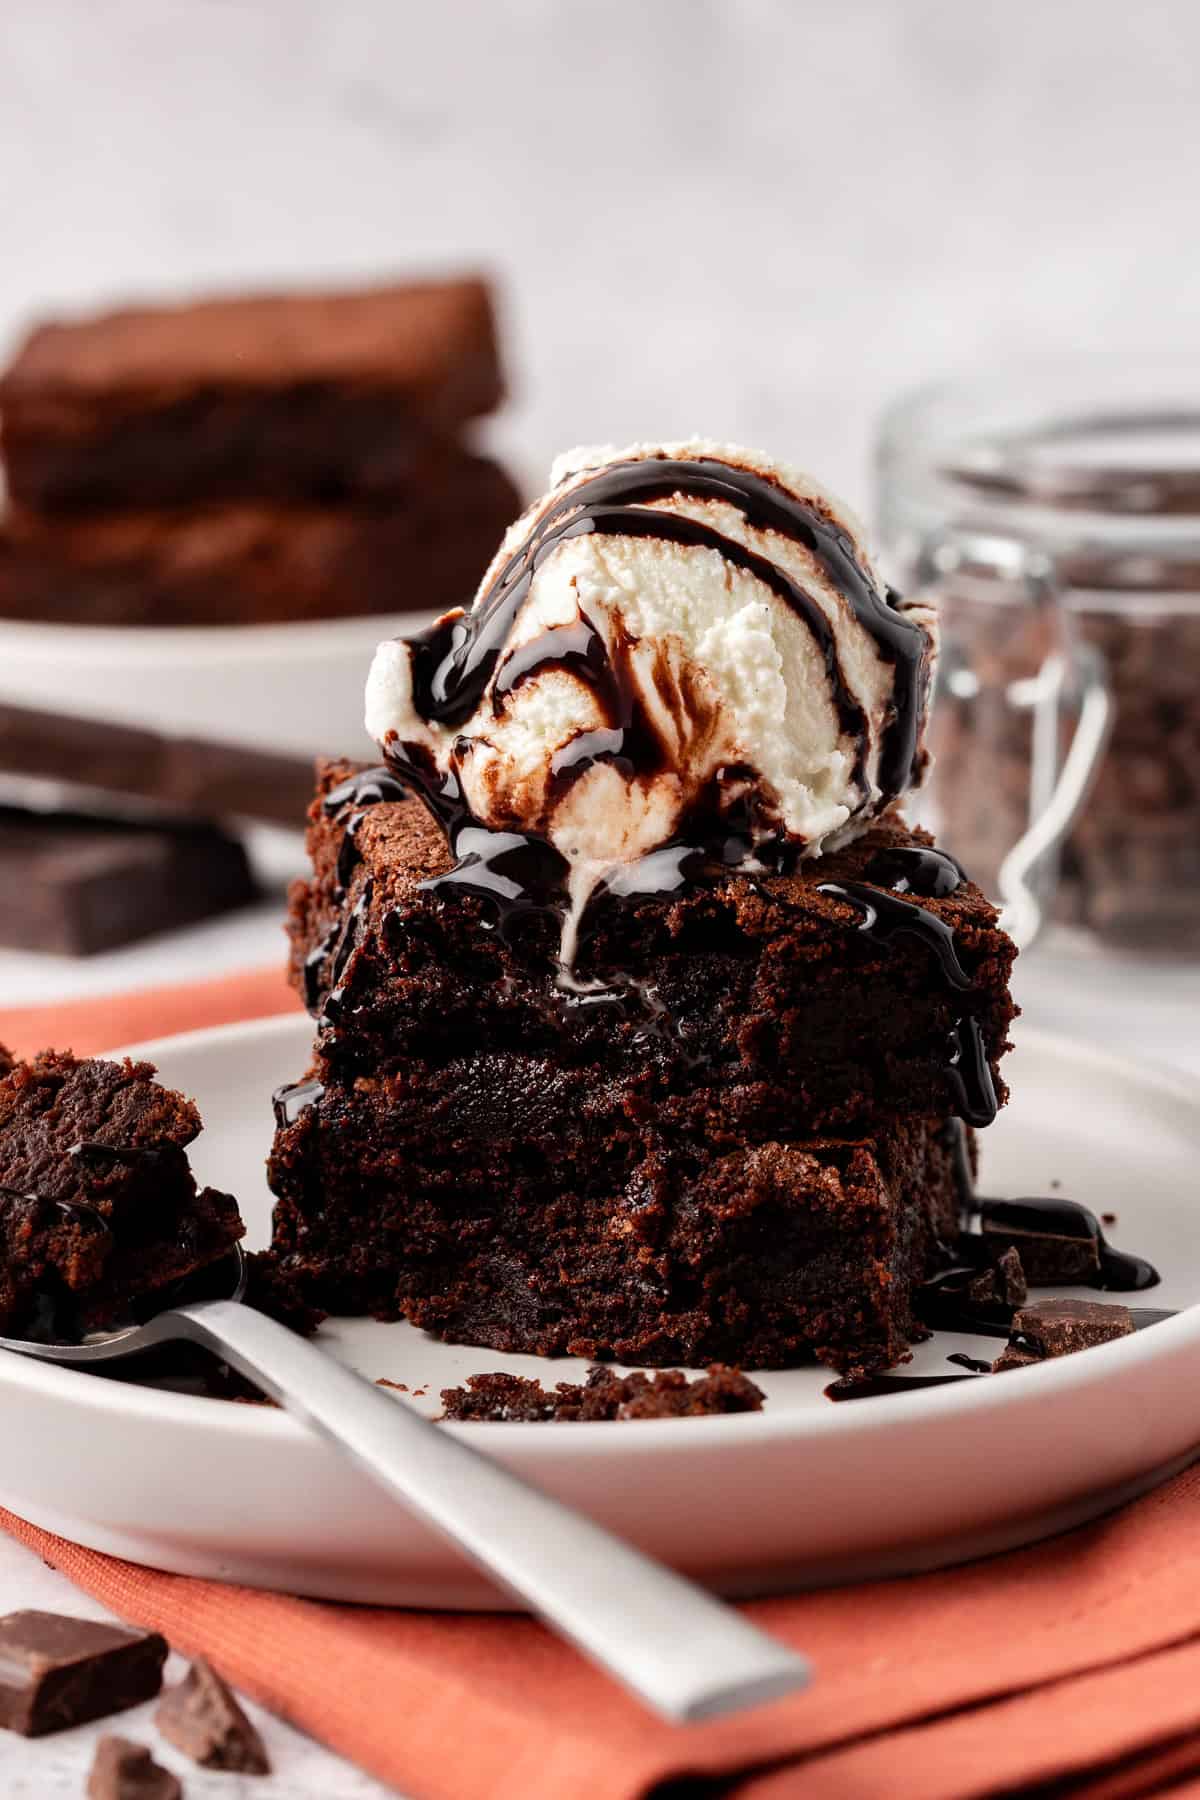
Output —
(763, 1254)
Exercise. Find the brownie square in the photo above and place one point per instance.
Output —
(740, 1155)
(758, 1001)
(318, 395)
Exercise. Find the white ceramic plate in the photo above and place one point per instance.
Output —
(804, 1492)
(293, 689)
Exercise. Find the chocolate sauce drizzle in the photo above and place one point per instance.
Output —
(933, 874)
(454, 660)
(295, 1097)
(884, 917)
(1107, 1269)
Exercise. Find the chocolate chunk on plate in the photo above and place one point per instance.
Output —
(123, 1770)
(202, 1718)
(56, 1671)
(1059, 1243)
(1052, 1328)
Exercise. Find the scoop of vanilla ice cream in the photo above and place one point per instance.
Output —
(633, 661)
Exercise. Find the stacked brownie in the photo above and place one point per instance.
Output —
(735, 1141)
(252, 460)
(231, 462)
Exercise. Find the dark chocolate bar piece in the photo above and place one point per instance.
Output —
(175, 775)
(202, 1718)
(75, 885)
(123, 1770)
(319, 394)
(1052, 1328)
(253, 562)
(57, 1671)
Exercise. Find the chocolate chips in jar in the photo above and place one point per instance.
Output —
(1055, 512)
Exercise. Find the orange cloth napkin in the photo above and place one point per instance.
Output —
(1069, 1668)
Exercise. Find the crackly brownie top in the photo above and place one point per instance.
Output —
(401, 849)
(410, 337)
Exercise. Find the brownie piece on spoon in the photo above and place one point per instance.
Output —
(99, 1209)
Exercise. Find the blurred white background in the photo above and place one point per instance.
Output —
(751, 217)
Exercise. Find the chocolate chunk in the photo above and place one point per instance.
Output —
(202, 1718)
(179, 775)
(123, 1770)
(56, 1671)
(1059, 1243)
(75, 884)
(1052, 1328)
(1000, 1286)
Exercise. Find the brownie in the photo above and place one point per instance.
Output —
(248, 561)
(318, 395)
(735, 1141)
(177, 776)
(98, 1205)
(664, 1250)
(668, 1394)
(763, 1006)
(75, 884)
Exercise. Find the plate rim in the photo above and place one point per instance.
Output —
(588, 1439)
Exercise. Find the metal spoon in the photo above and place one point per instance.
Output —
(681, 1651)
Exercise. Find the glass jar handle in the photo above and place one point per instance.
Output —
(1076, 672)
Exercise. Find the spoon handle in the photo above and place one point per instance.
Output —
(684, 1653)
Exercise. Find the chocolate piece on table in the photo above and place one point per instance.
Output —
(668, 1394)
(202, 1718)
(321, 394)
(123, 1770)
(249, 562)
(1050, 1328)
(176, 775)
(98, 1206)
(57, 1671)
(74, 884)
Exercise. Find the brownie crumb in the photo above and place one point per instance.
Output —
(202, 1718)
(1108, 1218)
(667, 1394)
(1052, 1328)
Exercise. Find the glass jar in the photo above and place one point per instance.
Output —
(1054, 510)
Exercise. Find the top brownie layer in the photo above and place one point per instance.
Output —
(758, 993)
(306, 395)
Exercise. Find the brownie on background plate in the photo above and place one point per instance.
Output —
(301, 395)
